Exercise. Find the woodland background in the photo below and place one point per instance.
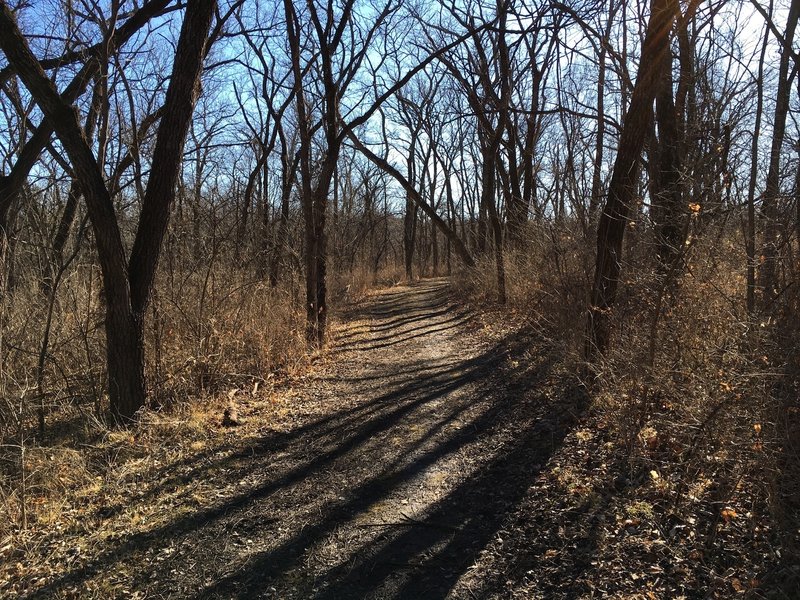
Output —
(623, 174)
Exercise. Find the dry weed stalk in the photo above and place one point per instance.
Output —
(691, 388)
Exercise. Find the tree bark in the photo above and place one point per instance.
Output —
(597, 184)
(410, 214)
(750, 233)
(614, 219)
(288, 167)
(667, 210)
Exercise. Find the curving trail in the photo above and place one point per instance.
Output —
(408, 451)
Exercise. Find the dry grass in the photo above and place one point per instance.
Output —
(712, 422)
(215, 335)
(218, 328)
(714, 418)
(77, 498)
(209, 333)
(351, 286)
(547, 282)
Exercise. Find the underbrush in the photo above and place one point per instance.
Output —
(700, 398)
(214, 333)
(353, 285)
(547, 283)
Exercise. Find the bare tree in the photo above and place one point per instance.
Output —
(614, 219)
(127, 283)
(771, 205)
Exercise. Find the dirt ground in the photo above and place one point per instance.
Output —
(427, 456)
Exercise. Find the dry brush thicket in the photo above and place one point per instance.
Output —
(700, 395)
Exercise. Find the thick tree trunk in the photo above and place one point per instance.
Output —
(516, 210)
(106, 231)
(611, 228)
(125, 360)
(667, 199)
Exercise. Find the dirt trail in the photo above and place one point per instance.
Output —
(408, 451)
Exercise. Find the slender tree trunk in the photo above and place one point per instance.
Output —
(597, 167)
(283, 223)
(797, 199)
(265, 239)
(516, 210)
(750, 235)
(410, 214)
(451, 223)
(771, 208)
(244, 214)
(500, 267)
(61, 235)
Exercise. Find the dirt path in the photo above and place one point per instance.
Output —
(406, 453)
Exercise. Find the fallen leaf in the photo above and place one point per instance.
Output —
(728, 514)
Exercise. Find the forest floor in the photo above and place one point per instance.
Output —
(432, 452)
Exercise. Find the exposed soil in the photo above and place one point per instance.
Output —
(427, 456)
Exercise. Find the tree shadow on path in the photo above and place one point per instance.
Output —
(516, 429)
(487, 419)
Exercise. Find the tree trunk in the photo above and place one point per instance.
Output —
(316, 264)
(125, 359)
(410, 215)
(282, 233)
(409, 236)
(668, 197)
(247, 203)
(597, 184)
(61, 236)
(770, 207)
(750, 233)
(611, 228)
(489, 202)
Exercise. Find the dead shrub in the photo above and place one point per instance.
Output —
(701, 397)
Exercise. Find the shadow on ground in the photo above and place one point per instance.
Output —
(304, 523)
